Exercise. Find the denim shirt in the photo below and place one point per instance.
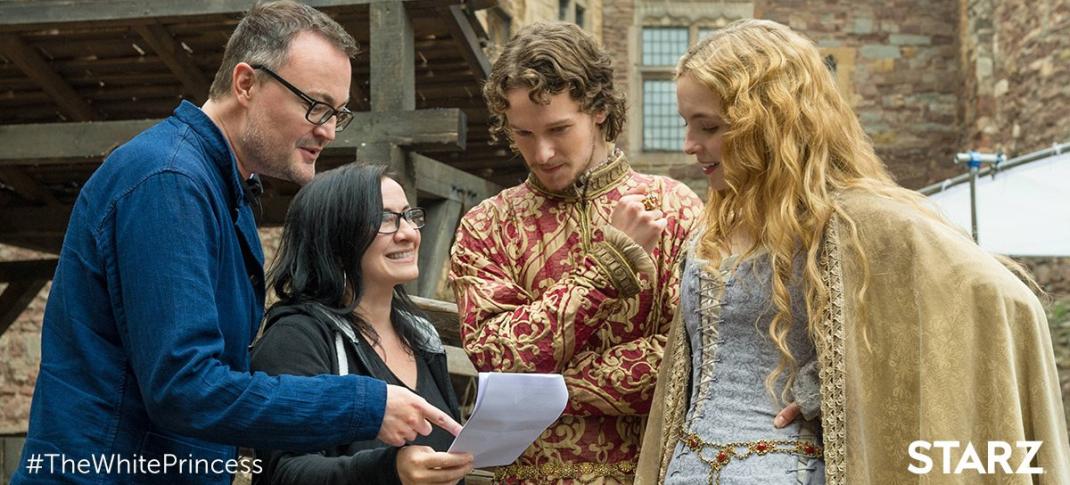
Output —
(158, 293)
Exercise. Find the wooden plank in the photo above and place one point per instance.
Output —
(438, 126)
(177, 60)
(27, 187)
(458, 363)
(443, 216)
(80, 140)
(392, 69)
(15, 298)
(93, 140)
(27, 270)
(477, 5)
(443, 315)
(11, 446)
(42, 228)
(41, 244)
(35, 67)
(398, 161)
(48, 222)
(471, 45)
(447, 182)
(24, 12)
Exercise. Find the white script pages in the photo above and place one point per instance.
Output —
(511, 411)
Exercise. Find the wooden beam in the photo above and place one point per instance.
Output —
(457, 19)
(33, 227)
(397, 159)
(458, 363)
(27, 187)
(15, 298)
(35, 222)
(27, 270)
(393, 85)
(443, 181)
(477, 5)
(443, 216)
(177, 60)
(14, 13)
(36, 68)
(91, 141)
(443, 314)
(446, 127)
(80, 140)
(40, 244)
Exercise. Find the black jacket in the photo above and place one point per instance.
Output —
(299, 340)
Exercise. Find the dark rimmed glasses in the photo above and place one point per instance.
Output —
(318, 112)
(392, 220)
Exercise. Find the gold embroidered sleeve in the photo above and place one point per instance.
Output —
(623, 260)
(505, 327)
(617, 381)
(620, 380)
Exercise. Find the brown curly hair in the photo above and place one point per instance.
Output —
(547, 58)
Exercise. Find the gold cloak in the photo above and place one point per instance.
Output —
(955, 347)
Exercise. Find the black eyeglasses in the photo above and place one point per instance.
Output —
(318, 112)
(392, 220)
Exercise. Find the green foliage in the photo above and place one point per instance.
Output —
(1059, 320)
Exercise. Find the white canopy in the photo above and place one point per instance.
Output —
(1023, 211)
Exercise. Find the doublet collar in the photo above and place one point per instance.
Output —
(592, 183)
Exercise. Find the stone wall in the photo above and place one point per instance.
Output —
(904, 78)
(897, 62)
(617, 38)
(979, 116)
(1016, 59)
(20, 345)
(20, 348)
(1032, 70)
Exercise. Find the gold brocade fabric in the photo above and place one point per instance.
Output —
(544, 285)
(949, 345)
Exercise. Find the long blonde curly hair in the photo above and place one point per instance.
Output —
(792, 142)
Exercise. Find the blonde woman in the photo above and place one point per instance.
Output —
(811, 254)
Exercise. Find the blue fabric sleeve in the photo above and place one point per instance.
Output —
(168, 236)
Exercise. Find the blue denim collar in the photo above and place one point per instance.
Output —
(217, 147)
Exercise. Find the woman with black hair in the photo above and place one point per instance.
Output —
(349, 243)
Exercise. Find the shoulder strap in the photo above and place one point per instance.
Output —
(340, 350)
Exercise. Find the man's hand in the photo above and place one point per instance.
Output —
(641, 225)
(423, 465)
(408, 414)
(787, 415)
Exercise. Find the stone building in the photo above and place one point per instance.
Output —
(928, 79)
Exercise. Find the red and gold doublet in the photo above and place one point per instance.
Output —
(545, 284)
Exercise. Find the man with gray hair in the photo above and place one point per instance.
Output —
(159, 288)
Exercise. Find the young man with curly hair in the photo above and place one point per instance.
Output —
(573, 271)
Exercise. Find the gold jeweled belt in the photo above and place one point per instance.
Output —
(741, 450)
(558, 471)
